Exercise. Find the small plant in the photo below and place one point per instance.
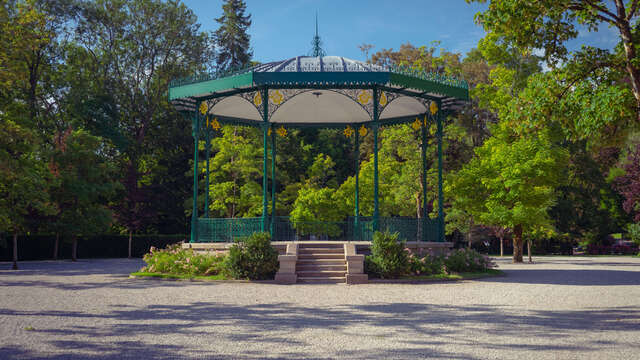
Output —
(466, 260)
(427, 264)
(389, 258)
(252, 258)
(178, 261)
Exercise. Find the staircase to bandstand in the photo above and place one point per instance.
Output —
(321, 263)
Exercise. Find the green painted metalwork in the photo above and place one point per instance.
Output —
(440, 193)
(227, 230)
(317, 43)
(265, 129)
(357, 175)
(209, 86)
(206, 186)
(194, 211)
(431, 86)
(320, 79)
(376, 205)
(423, 133)
(273, 183)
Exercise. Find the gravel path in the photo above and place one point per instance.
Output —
(557, 308)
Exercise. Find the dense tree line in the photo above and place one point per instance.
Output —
(90, 144)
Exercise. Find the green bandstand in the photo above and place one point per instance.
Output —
(321, 92)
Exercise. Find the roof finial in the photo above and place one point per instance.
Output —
(317, 43)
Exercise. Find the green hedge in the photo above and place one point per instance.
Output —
(40, 247)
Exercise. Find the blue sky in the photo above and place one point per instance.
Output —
(284, 29)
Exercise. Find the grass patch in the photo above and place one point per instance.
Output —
(456, 276)
(181, 277)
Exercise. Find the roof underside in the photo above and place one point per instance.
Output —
(318, 90)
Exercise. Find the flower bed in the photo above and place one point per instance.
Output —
(390, 259)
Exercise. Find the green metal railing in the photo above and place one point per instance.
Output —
(227, 230)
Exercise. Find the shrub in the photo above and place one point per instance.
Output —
(388, 256)
(175, 260)
(252, 258)
(430, 265)
(466, 260)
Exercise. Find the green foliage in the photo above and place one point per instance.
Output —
(232, 38)
(236, 173)
(83, 185)
(315, 203)
(633, 231)
(466, 260)
(427, 264)
(389, 258)
(252, 258)
(178, 261)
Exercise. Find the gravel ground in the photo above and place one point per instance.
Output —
(556, 308)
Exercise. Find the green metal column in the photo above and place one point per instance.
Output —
(356, 222)
(206, 187)
(376, 209)
(424, 180)
(265, 129)
(440, 194)
(273, 184)
(194, 212)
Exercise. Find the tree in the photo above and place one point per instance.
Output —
(629, 184)
(236, 173)
(231, 38)
(317, 201)
(511, 182)
(130, 51)
(83, 187)
(550, 24)
(23, 180)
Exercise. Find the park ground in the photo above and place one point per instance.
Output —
(556, 308)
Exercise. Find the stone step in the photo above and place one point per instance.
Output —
(323, 280)
(321, 261)
(322, 273)
(320, 245)
(312, 256)
(320, 250)
(322, 267)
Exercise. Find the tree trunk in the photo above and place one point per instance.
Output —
(129, 244)
(55, 246)
(469, 239)
(517, 244)
(74, 249)
(15, 251)
(630, 52)
(501, 246)
(529, 250)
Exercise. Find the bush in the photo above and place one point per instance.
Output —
(426, 264)
(389, 258)
(178, 261)
(252, 258)
(466, 260)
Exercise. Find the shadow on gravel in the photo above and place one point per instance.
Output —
(415, 329)
(586, 277)
(82, 267)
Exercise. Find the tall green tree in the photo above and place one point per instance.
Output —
(236, 173)
(23, 180)
(130, 50)
(231, 38)
(83, 187)
(550, 24)
(511, 182)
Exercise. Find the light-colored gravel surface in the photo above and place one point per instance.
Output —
(557, 308)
